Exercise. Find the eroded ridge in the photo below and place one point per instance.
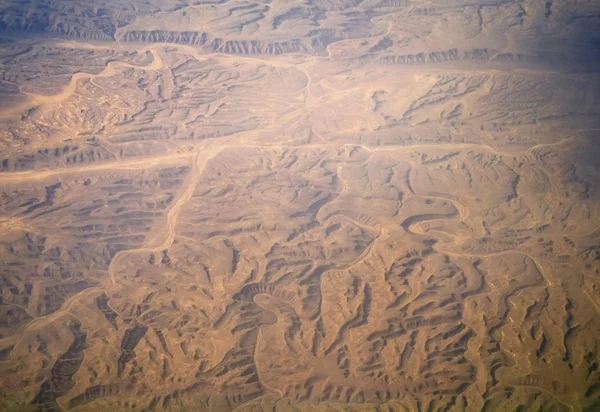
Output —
(262, 206)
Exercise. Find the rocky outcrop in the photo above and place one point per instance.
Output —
(61, 374)
(189, 38)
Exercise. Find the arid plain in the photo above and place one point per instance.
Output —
(340, 205)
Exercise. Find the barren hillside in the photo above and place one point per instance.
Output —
(307, 205)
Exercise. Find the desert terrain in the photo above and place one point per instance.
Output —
(308, 205)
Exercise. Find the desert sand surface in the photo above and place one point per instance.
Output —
(286, 205)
